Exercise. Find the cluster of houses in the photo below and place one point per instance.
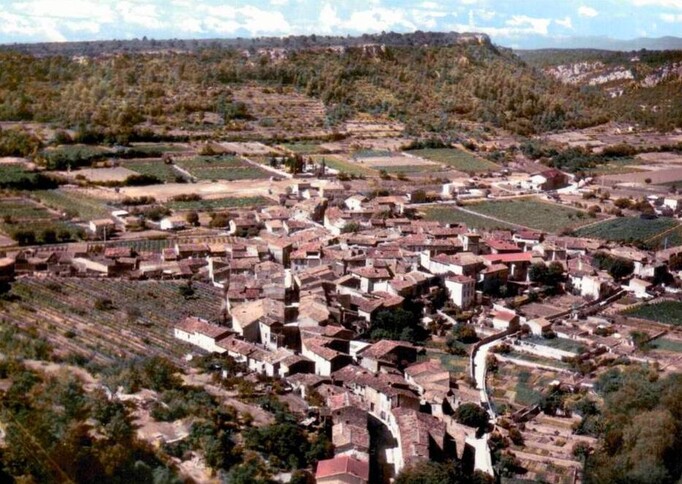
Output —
(304, 281)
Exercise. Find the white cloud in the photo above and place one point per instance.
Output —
(279, 3)
(671, 18)
(329, 19)
(378, 19)
(529, 24)
(191, 25)
(144, 15)
(41, 28)
(71, 9)
(565, 22)
(584, 11)
(258, 21)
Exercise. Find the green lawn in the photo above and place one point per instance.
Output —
(533, 213)
(457, 159)
(615, 167)
(666, 312)
(408, 169)
(21, 209)
(218, 203)
(450, 215)
(627, 229)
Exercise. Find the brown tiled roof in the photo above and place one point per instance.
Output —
(342, 465)
(196, 325)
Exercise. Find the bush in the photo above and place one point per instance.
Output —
(472, 415)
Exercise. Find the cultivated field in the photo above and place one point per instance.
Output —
(134, 318)
(218, 203)
(74, 203)
(457, 159)
(666, 312)
(657, 177)
(627, 229)
(342, 165)
(221, 168)
(533, 213)
(153, 167)
(451, 215)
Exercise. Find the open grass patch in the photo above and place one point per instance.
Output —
(457, 364)
(665, 312)
(303, 148)
(627, 229)
(451, 215)
(533, 213)
(457, 159)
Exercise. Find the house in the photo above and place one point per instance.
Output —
(504, 320)
(547, 180)
(102, 228)
(355, 202)
(342, 470)
(434, 384)
(639, 288)
(321, 351)
(387, 353)
(255, 321)
(175, 222)
(518, 263)
(201, 333)
(370, 276)
(539, 325)
(462, 290)
(421, 437)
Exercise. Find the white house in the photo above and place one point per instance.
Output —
(201, 333)
(175, 222)
(462, 290)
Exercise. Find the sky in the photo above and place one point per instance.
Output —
(511, 23)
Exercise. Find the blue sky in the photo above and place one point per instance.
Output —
(513, 23)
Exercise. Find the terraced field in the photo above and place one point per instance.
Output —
(628, 229)
(221, 168)
(451, 215)
(457, 159)
(140, 324)
(533, 213)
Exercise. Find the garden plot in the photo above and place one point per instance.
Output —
(221, 168)
(515, 388)
(343, 165)
(73, 203)
(533, 213)
(628, 229)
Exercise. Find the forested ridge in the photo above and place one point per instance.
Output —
(430, 88)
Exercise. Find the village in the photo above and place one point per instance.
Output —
(462, 308)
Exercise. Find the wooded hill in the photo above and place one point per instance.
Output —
(431, 82)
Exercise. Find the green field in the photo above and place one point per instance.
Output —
(533, 213)
(221, 168)
(667, 240)
(451, 215)
(22, 210)
(458, 364)
(77, 204)
(615, 167)
(663, 344)
(666, 312)
(218, 203)
(303, 148)
(627, 229)
(409, 169)
(457, 159)
(156, 168)
(341, 165)
(371, 154)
